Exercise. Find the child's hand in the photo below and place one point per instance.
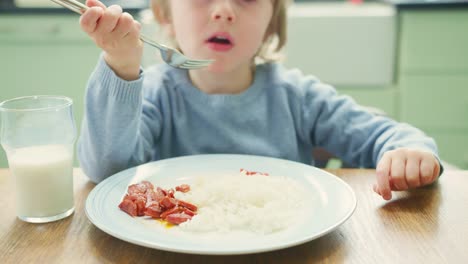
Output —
(402, 169)
(117, 34)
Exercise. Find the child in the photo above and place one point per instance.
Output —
(134, 116)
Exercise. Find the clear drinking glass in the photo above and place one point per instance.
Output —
(38, 134)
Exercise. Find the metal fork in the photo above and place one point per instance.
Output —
(170, 55)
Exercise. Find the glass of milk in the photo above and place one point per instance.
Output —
(38, 134)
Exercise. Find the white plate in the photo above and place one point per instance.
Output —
(331, 201)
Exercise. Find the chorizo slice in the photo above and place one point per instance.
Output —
(171, 211)
(187, 205)
(140, 188)
(168, 203)
(153, 210)
(183, 188)
(177, 218)
(129, 207)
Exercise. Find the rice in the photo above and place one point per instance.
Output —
(258, 204)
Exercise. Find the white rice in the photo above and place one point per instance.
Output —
(258, 204)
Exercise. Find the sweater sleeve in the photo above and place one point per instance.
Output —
(114, 135)
(353, 133)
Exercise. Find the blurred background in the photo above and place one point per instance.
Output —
(405, 59)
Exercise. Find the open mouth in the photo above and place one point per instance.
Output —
(220, 40)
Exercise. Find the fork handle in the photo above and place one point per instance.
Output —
(80, 8)
(73, 5)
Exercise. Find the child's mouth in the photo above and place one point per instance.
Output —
(220, 42)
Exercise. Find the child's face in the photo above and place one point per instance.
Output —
(228, 31)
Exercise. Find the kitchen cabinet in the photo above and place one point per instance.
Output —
(351, 47)
(434, 41)
(432, 77)
(343, 44)
(45, 54)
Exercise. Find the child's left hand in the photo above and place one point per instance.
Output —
(402, 169)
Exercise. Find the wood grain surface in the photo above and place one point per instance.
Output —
(427, 225)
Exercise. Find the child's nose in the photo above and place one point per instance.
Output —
(224, 12)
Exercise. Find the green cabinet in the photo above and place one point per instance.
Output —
(434, 41)
(435, 102)
(433, 77)
(45, 54)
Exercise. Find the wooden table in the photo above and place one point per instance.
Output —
(427, 225)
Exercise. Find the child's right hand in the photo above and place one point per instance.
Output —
(117, 33)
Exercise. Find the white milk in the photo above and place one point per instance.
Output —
(44, 180)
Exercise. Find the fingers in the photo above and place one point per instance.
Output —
(135, 32)
(89, 19)
(429, 169)
(404, 169)
(124, 25)
(97, 3)
(375, 187)
(397, 172)
(413, 179)
(108, 26)
(437, 169)
(108, 20)
(128, 29)
(383, 177)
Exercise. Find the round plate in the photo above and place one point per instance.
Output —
(330, 203)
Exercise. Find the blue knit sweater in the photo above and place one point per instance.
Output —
(283, 114)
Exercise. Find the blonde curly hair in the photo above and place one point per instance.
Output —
(277, 29)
